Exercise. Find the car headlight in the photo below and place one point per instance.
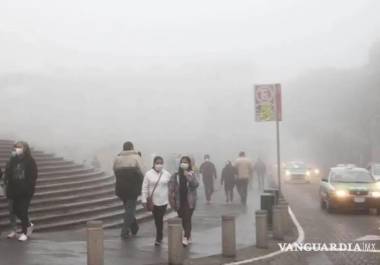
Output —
(316, 171)
(375, 194)
(341, 193)
(287, 173)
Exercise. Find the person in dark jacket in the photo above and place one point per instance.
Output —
(21, 176)
(129, 172)
(228, 179)
(208, 172)
(183, 195)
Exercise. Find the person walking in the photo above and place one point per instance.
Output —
(260, 170)
(183, 187)
(12, 217)
(155, 194)
(208, 172)
(228, 179)
(244, 169)
(129, 172)
(20, 178)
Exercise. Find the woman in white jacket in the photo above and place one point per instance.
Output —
(156, 186)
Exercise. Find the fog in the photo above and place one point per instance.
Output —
(80, 77)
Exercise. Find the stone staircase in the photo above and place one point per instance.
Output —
(68, 194)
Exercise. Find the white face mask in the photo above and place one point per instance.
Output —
(19, 151)
(184, 166)
(158, 167)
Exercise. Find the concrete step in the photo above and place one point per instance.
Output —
(82, 176)
(64, 167)
(72, 191)
(70, 198)
(108, 217)
(73, 184)
(62, 173)
(43, 163)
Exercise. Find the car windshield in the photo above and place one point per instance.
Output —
(297, 166)
(350, 176)
(376, 170)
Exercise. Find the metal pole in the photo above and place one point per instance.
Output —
(278, 137)
(278, 154)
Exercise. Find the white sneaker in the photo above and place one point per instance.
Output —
(12, 235)
(23, 238)
(30, 230)
(185, 242)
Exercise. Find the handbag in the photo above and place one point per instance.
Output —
(149, 199)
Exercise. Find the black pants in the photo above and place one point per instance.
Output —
(208, 183)
(185, 213)
(242, 187)
(158, 214)
(229, 189)
(21, 209)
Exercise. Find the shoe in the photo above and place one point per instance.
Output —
(12, 235)
(185, 242)
(23, 238)
(125, 236)
(30, 230)
(157, 243)
(134, 229)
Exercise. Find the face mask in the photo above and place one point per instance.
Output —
(158, 167)
(19, 151)
(184, 166)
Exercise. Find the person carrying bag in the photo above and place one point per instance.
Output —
(155, 195)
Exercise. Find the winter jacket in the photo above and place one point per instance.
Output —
(20, 177)
(174, 191)
(244, 168)
(129, 170)
(208, 170)
(161, 193)
(228, 176)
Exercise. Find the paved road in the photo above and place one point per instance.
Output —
(69, 247)
(321, 227)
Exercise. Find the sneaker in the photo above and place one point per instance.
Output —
(23, 238)
(134, 228)
(12, 235)
(30, 230)
(157, 243)
(185, 242)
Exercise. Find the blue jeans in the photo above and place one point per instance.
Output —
(130, 222)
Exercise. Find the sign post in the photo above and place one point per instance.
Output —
(268, 106)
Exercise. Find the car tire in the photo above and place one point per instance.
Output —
(329, 208)
(323, 204)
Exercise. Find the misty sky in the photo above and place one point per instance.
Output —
(81, 75)
(280, 37)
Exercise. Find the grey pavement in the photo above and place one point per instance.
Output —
(69, 247)
(321, 227)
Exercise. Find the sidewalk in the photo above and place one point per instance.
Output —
(62, 248)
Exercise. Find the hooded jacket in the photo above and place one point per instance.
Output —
(21, 175)
(129, 173)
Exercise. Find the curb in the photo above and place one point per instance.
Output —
(300, 239)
